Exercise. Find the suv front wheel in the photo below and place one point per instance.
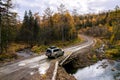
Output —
(55, 56)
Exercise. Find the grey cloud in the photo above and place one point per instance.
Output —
(83, 6)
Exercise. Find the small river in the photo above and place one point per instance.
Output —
(25, 53)
(102, 70)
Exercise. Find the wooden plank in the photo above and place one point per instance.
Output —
(65, 59)
(55, 71)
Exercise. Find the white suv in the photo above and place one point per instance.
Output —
(54, 52)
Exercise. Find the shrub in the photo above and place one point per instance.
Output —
(38, 49)
(6, 56)
(94, 58)
(114, 53)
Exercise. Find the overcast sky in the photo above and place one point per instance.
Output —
(82, 6)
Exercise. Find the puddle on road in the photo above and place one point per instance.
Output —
(32, 73)
(21, 64)
(41, 63)
(43, 68)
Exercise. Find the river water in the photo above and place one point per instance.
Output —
(102, 70)
(25, 53)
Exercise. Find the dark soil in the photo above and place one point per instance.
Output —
(63, 75)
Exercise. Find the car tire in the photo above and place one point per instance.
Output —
(49, 57)
(62, 53)
(56, 56)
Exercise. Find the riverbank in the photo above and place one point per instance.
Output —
(85, 59)
(10, 54)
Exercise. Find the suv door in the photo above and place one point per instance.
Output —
(56, 53)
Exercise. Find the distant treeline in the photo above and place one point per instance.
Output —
(104, 24)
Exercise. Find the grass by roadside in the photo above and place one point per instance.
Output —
(13, 47)
(11, 55)
(7, 57)
(61, 44)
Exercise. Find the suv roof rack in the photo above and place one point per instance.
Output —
(52, 47)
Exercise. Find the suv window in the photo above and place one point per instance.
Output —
(56, 50)
(49, 51)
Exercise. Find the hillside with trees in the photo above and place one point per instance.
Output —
(34, 29)
(59, 26)
(105, 26)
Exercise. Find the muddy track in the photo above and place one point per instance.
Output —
(20, 70)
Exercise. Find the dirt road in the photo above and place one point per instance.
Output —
(21, 69)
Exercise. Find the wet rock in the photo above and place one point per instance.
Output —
(112, 62)
(118, 66)
(104, 66)
(117, 76)
(113, 69)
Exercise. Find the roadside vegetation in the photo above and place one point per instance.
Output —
(59, 29)
(41, 48)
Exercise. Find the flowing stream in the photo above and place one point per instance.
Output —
(102, 70)
(25, 53)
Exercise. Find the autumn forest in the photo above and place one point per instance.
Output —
(60, 26)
